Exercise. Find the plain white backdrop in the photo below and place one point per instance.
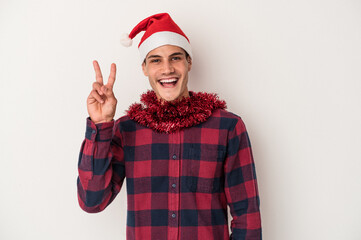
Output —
(290, 69)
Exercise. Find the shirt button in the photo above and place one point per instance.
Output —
(174, 185)
(174, 156)
(93, 132)
(173, 215)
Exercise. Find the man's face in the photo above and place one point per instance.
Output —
(167, 69)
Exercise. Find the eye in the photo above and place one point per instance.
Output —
(176, 58)
(154, 60)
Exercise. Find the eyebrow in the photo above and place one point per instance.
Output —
(176, 53)
(173, 54)
(153, 56)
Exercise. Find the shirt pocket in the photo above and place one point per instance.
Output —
(205, 169)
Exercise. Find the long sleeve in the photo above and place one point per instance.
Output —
(101, 166)
(241, 186)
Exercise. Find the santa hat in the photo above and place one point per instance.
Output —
(160, 30)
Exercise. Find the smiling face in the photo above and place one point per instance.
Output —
(167, 69)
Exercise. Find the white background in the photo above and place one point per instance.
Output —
(290, 69)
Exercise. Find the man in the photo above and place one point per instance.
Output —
(184, 156)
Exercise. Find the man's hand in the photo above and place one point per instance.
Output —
(101, 102)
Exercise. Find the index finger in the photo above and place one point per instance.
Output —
(98, 73)
(111, 79)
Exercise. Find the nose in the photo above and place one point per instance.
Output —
(167, 67)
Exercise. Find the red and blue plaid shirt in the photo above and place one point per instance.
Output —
(178, 184)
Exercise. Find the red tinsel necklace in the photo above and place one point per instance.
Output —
(175, 115)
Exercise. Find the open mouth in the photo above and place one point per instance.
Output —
(168, 83)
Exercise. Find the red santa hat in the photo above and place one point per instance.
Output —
(160, 29)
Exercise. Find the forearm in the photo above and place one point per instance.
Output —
(246, 222)
(96, 189)
(244, 202)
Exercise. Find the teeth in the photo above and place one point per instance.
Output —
(168, 80)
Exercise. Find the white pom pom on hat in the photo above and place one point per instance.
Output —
(160, 29)
(125, 40)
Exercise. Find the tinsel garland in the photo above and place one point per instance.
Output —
(168, 117)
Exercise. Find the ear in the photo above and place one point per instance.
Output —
(144, 68)
(189, 60)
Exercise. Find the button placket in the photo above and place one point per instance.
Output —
(174, 168)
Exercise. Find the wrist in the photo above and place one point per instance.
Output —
(101, 121)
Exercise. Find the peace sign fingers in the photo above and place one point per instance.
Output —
(101, 102)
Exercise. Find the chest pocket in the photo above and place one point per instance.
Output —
(205, 169)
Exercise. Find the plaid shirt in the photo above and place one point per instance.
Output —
(178, 184)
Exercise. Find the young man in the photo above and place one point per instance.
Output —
(184, 156)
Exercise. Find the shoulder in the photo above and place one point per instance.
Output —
(228, 120)
(125, 123)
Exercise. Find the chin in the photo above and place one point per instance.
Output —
(168, 94)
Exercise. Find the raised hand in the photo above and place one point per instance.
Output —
(101, 102)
